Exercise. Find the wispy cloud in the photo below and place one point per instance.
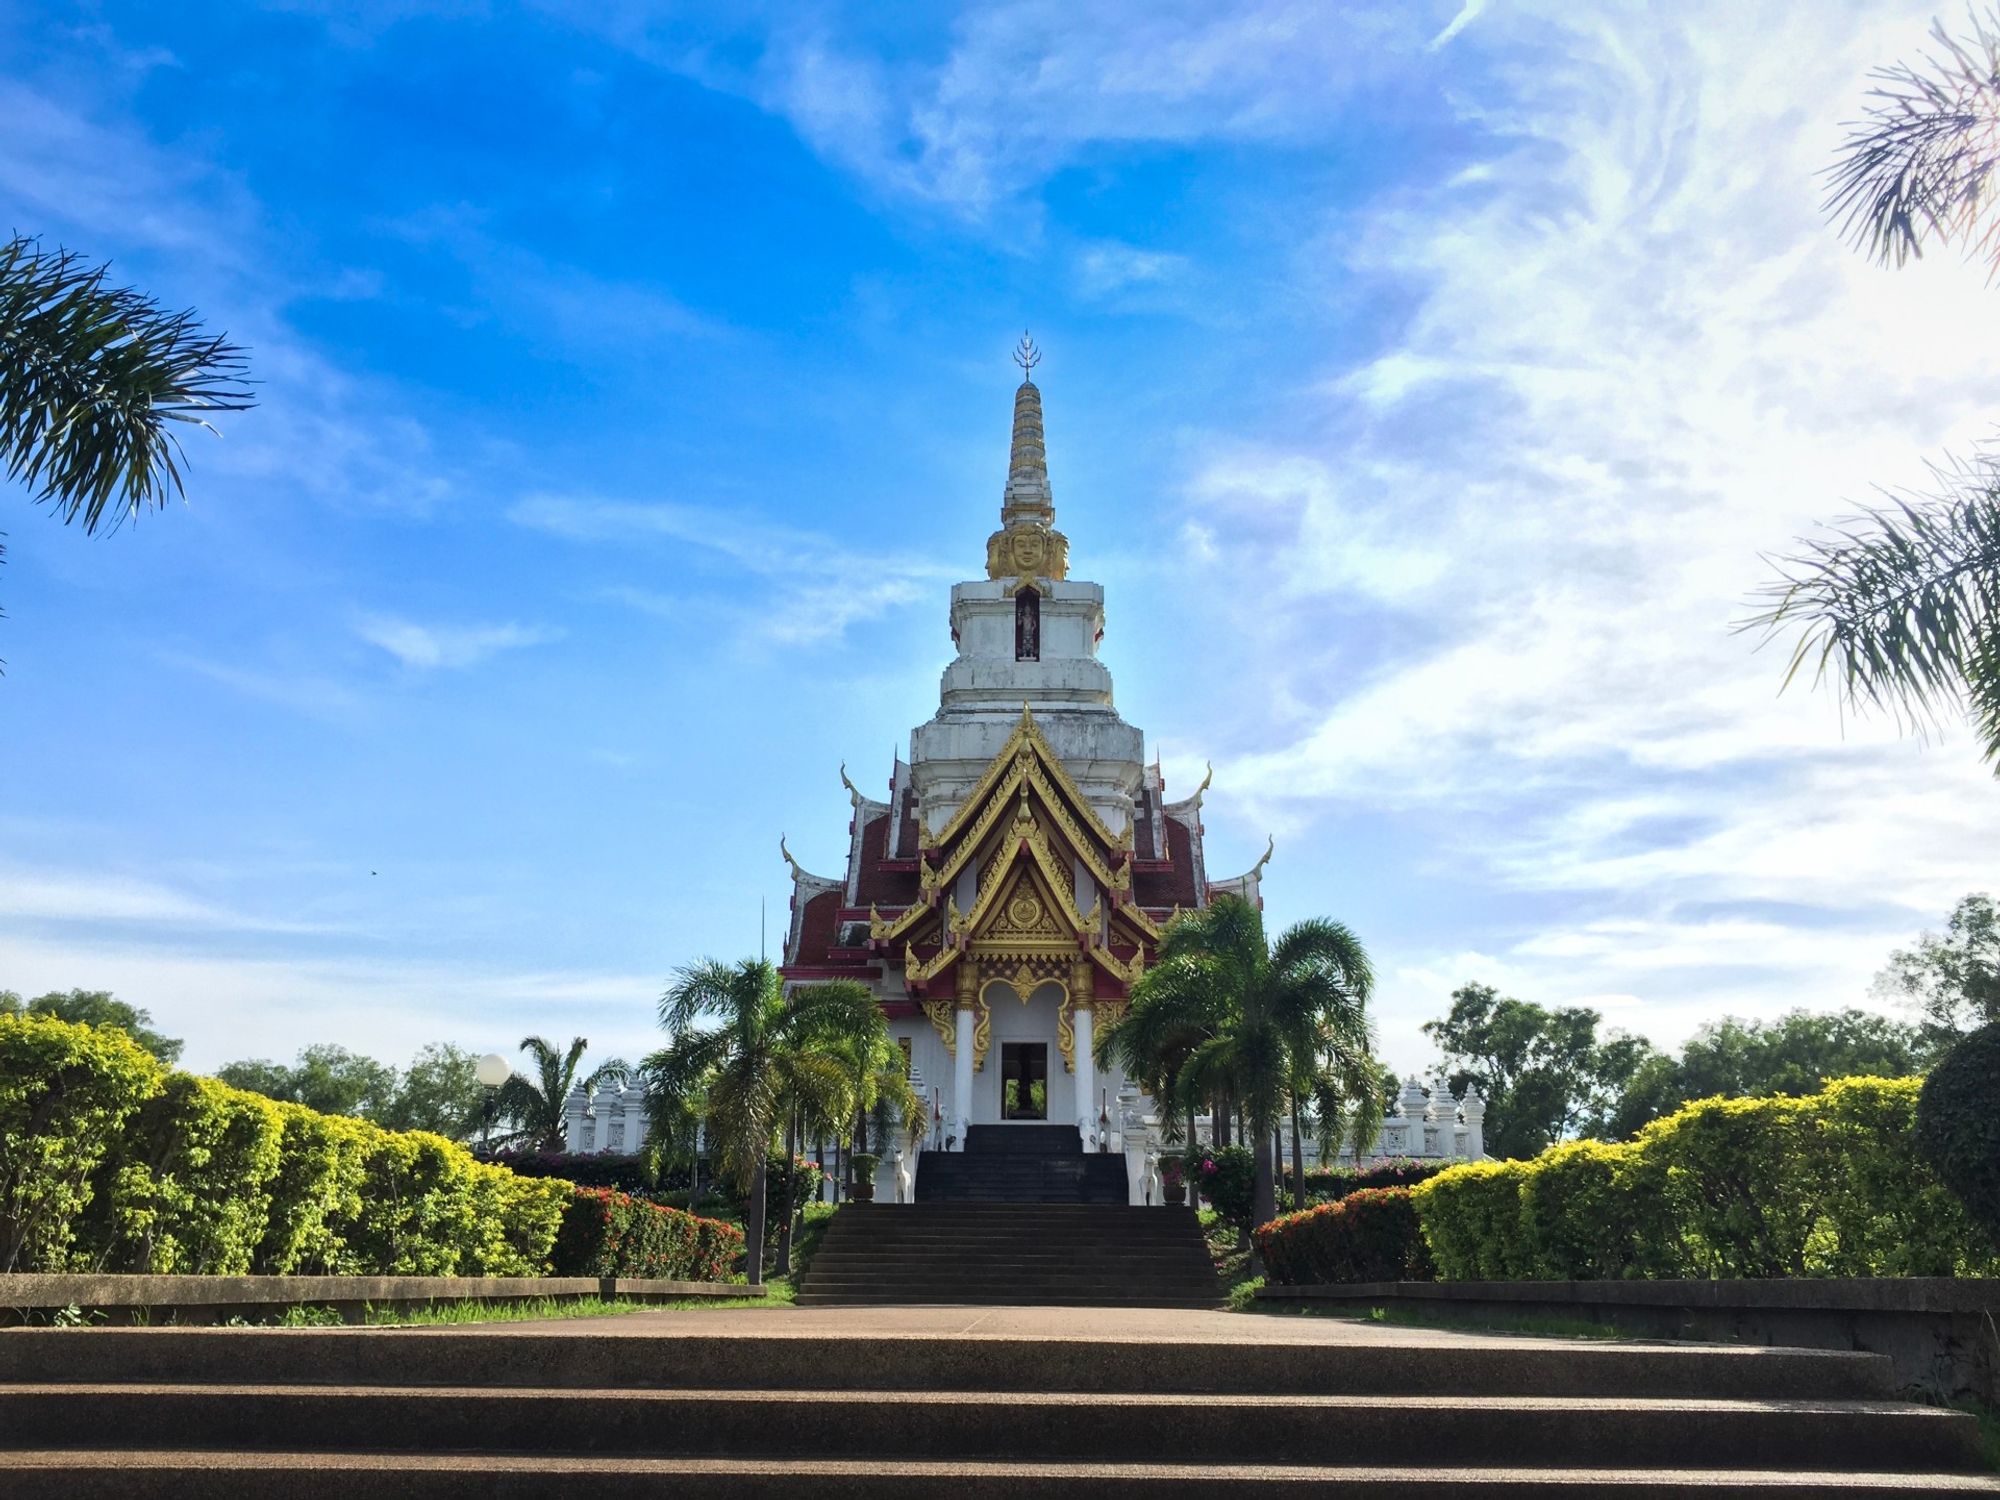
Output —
(815, 587)
(305, 692)
(70, 896)
(1026, 87)
(231, 1004)
(1109, 266)
(1638, 357)
(425, 648)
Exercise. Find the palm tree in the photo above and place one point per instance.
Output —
(880, 1092)
(770, 1062)
(91, 377)
(1268, 1008)
(536, 1106)
(1152, 1041)
(1898, 607)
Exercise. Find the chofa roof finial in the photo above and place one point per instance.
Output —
(1027, 356)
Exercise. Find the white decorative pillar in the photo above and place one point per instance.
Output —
(1414, 1111)
(1474, 1109)
(576, 1120)
(610, 1119)
(961, 1070)
(635, 1119)
(1086, 1081)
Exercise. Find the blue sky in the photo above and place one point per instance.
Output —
(1422, 384)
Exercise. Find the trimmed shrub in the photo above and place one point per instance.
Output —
(516, 1219)
(784, 1192)
(1370, 1235)
(186, 1189)
(628, 1174)
(1739, 1182)
(1958, 1125)
(317, 1188)
(65, 1093)
(1227, 1178)
(1833, 1184)
(107, 1161)
(417, 1216)
(1886, 1211)
(608, 1233)
(1581, 1219)
(1471, 1217)
(1330, 1184)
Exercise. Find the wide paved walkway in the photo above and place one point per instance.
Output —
(1182, 1325)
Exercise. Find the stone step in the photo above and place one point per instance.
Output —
(1277, 1428)
(877, 1261)
(1106, 1213)
(1009, 1294)
(1010, 1297)
(824, 1362)
(1009, 1140)
(954, 1240)
(178, 1474)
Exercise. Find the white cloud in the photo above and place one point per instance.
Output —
(425, 648)
(813, 587)
(1638, 357)
(308, 693)
(45, 895)
(1026, 87)
(1109, 266)
(230, 1004)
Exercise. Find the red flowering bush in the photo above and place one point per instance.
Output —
(1370, 1235)
(1330, 1184)
(609, 1233)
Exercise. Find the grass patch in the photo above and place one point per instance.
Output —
(1229, 1250)
(527, 1310)
(530, 1310)
(1243, 1295)
(1989, 1428)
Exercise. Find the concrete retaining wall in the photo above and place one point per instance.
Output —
(1942, 1335)
(214, 1299)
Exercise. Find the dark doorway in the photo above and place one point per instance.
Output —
(1024, 1081)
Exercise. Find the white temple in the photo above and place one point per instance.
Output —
(1012, 882)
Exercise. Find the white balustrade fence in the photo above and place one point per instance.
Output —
(613, 1120)
(1422, 1122)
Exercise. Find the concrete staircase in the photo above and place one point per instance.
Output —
(508, 1414)
(1022, 1164)
(1020, 1254)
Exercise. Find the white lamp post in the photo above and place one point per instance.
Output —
(492, 1070)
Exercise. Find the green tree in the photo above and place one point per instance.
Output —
(1796, 1054)
(534, 1106)
(1271, 1013)
(1545, 1073)
(95, 382)
(1898, 607)
(440, 1092)
(756, 1055)
(1951, 980)
(96, 1008)
(326, 1077)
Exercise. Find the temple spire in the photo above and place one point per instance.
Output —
(1027, 546)
(1027, 499)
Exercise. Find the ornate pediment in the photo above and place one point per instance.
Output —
(1033, 841)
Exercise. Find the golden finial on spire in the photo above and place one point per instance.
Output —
(1027, 356)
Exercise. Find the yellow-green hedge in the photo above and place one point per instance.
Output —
(1826, 1185)
(110, 1162)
